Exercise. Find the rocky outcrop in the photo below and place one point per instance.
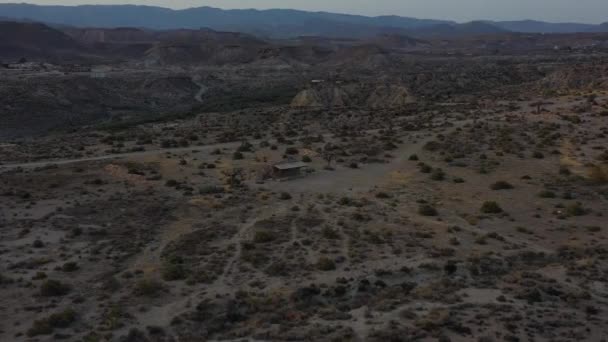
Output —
(322, 97)
(587, 77)
(390, 96)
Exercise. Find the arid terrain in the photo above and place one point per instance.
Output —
(195, 185)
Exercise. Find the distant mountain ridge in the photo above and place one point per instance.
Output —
(277, 23)
(534, 26)
(274, 23)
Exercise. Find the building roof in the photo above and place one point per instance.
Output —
(290, 166)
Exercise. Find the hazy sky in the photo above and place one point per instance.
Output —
(591, 11)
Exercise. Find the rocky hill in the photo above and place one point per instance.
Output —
(124, 35)
(337, 94)
(577, 77)
(30, 40)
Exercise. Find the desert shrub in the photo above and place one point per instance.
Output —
(523, 230)
(39, 276)
(388, 146)
(501, 185)
(564, 171)
(147, 288)
(113, 317)
(424, 168)
(345, 201)
(174, 270)
(547, 194)
(326, 264)
(278, 269)
(62, 319)
(40, 327)
(135, 169)
(264, 236)
(383, 195)
(330, 233)
(491, 207)
(245, 147)
(538, 155)
(361, 217)
(438, 175)
(291, 151)
(353, 165)
(481, 240)
(168, 143)
(567, 195)
(237, 155)
(285, 196)
(155, 330)
(575, 209)
(306, 159)
(458, 180)
(432, 146)
(597, 175)
(413, 157)
(5, 280)
(210, 190)
(171, 183)
(427, 210)
(69, 267)
(54, 288)
(572, 119)
(46, 326)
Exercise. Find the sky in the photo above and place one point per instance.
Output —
(586, 11)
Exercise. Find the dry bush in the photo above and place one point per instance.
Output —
(597, 174)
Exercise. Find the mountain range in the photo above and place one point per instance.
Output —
(275, 23)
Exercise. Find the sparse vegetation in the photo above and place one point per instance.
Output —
(427, 210)
(264, 236)
(326, 264)
(501, 185)
(59, 320)
(189, 214)
(491, 207)
(54, 288)
(147, 288)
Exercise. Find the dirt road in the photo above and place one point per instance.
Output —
(204, 148)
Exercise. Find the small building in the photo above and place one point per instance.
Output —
(100, 71)
(25, 66)
(288, 170)
(75, 68)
